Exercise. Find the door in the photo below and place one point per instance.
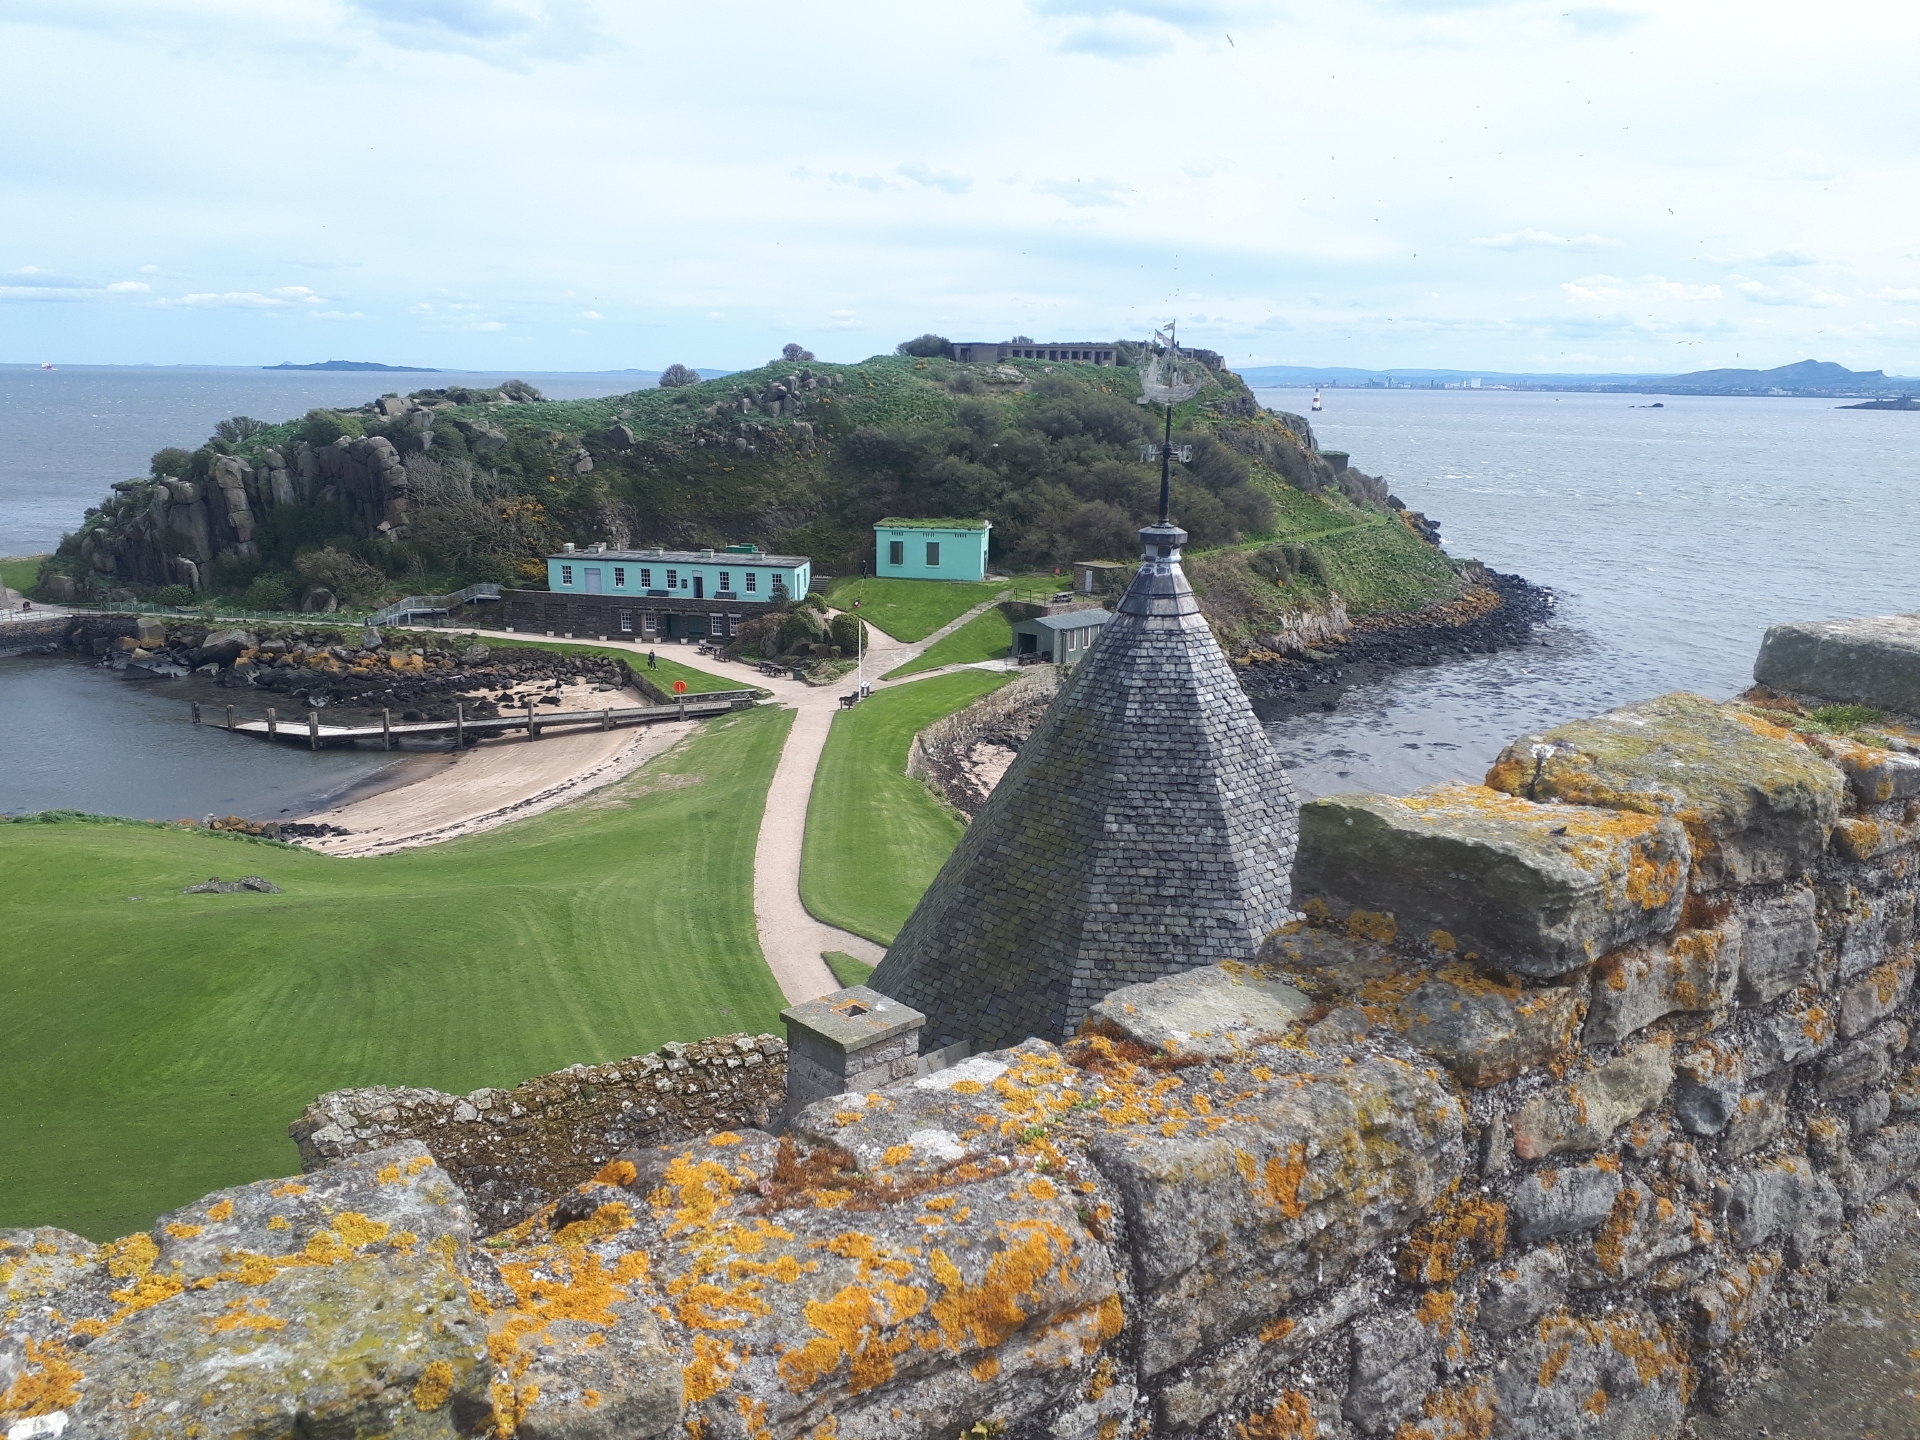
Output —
(593, 579)
(699, 587)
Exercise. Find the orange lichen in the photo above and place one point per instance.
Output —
(1451, 1415)
(1610, 1245)
(1372, 925)
(357, 1230)
(131, 1256)
(387, 1174)
(177, 1231)
(1276, 1330)
(220, 1210)
(990, 1311)
(1291, 1418)
(1442, 941)
(1550, 1369)
(1461, 1229)
(1278, 1181)
(897, 1155)
(49, 1382)
(434, 1387)
(987, 1369)
(709, 1372)
(1596, 1403)
(289, 1188)
(244, 1314)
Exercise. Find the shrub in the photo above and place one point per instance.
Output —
(171, 461)
(173, 595)
(347, 576)
(926, 347)
(814, 602)
(795, 354)
(801, 627)
(323, 427)
(676, 375)
(240, 427)
(269, 592)
(845, 632)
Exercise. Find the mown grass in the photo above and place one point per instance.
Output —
(987, 636)
(910, 609)
(19, 572)
(154, 1049)
(846, 969)
(876, 836)
(668, 669)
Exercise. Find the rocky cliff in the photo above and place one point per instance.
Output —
(1579, 1095)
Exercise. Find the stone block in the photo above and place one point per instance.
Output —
(1523, 1290)
(1756, 804)
(1798, 1031)
(1724, 1305)
(1862, 928)
(1874, 836)
(1583, 1114)
(1484, 1032)
(1643, 1228)
(1392, 1368)
(1874, 996)
(1539, 889)
(1779, 944)
(1633, 987)
(1217, 1011)
(1231, 1226)
(1755, 1122)
(854, 1039)
(1877, 775)
(1869, 1113)
(1784, 1197)
(1563, 1201)
(1870, 661)
(1862, 1063)
(1884, 1160)
(1712, 1078)
(1904, 1099)
(1617, 1377)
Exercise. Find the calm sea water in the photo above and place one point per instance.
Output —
(1673, 537)
(67, 434)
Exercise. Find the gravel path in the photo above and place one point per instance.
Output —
(791, 939)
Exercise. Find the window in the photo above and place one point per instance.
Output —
(733, 624)
(716, 627)
(626, 622)
(649, 623)
(673, 579)
(896, 552)
(726, 580)
(646, 579)
(933, 554)
(566, 574)
(619, 577)
(753, 581)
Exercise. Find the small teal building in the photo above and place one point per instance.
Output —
(740, 572)
(931, 549)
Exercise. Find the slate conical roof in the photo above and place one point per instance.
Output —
(1146, 828)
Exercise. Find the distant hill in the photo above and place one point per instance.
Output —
(1806, 377)
(355, 365)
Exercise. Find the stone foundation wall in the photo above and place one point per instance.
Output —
(1580, 1095)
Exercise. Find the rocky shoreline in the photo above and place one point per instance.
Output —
(1500, 614)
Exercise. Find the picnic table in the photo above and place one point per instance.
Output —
(767, 667)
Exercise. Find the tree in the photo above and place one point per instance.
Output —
(795, 354)
(677, 374)
(927, 347)
(171, 461)
(240, 427)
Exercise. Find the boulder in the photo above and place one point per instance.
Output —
(319, 601)
(1723, 1305)
(1757, 805)
(150, 631)
(1522, 1291)
(1392, 1369)
(1583, 1114)
(57, 589)
(1484, 1031)
(1878, 776)
(1215, 1011)
(223, 647)
(1540, 889)
(1873, 661)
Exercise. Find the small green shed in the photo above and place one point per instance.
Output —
(931, 549)
(1064, 639)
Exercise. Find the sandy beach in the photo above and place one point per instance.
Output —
(495, 782)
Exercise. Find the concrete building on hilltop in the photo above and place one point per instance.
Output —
(1146, 828)
(992, 352)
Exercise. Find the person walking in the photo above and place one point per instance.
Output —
(653, 661)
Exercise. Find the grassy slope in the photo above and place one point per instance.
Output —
(910, 609)
(985, 637)
(876, 837)
(667, 671)
(18, 572)
(150, 1052)
(846, 969)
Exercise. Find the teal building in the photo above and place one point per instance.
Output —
(931, 549)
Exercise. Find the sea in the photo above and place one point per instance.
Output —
(1673, 531)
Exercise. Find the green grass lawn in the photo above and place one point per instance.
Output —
(18, 572)
(987, 636)
(670, 670)
(846, 969)
(151, 1051)
(910, 609)
(876, 837)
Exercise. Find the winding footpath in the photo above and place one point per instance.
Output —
(792, 940)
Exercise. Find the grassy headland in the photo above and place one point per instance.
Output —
(876, 836)
(154, 1048)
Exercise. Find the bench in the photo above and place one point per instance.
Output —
(847, 702)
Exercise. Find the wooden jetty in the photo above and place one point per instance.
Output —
(460, 729)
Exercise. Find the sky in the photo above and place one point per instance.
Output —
(574, 185)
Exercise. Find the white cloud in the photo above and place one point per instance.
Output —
(865, 182)
(1084, 193)
(229, 300)
(591, 315)
(1516, 239)
(935, 179)
(1793, 292)
(507, 33)
(299, 294)
(1907, 296)
(149, 269)
(844, 320)
(128, 287)
(334, 315)
(1611, 291)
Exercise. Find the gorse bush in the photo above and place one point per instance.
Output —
(268, 592)
(926, 347)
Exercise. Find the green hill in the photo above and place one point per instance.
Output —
(447, 486)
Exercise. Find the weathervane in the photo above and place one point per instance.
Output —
(1166, 378)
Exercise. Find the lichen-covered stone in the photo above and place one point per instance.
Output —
(1712, 1076)
(1563, 1201)
(1757, 805)
(1521, 1291)
(1231, 1223)
(1730, 1300)
(1633, 987)
(1218, 1012)
(1758, 1119)
(1858, 1064)
(1483, 1031)
(1393, 1369)
(1583, 1114)
(1864, 927)
(1874, 996)
(1643, 1228)
(1779, 1199)
(1540, 889)
(1779, 944)
(1871, 661)
(1621, 1377)
(1877, 775)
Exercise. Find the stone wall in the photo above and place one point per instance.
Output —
(960, 754)
(1580, 1095)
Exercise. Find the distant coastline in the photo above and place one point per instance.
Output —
(1815, 379)
(373, 365)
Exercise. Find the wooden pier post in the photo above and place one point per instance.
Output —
(683, 707)
(273, 724)
(460, 727)
(229, 719)
(313, 729)
(529, 720)
(606, 717)
(196, 712)
(386, 729)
